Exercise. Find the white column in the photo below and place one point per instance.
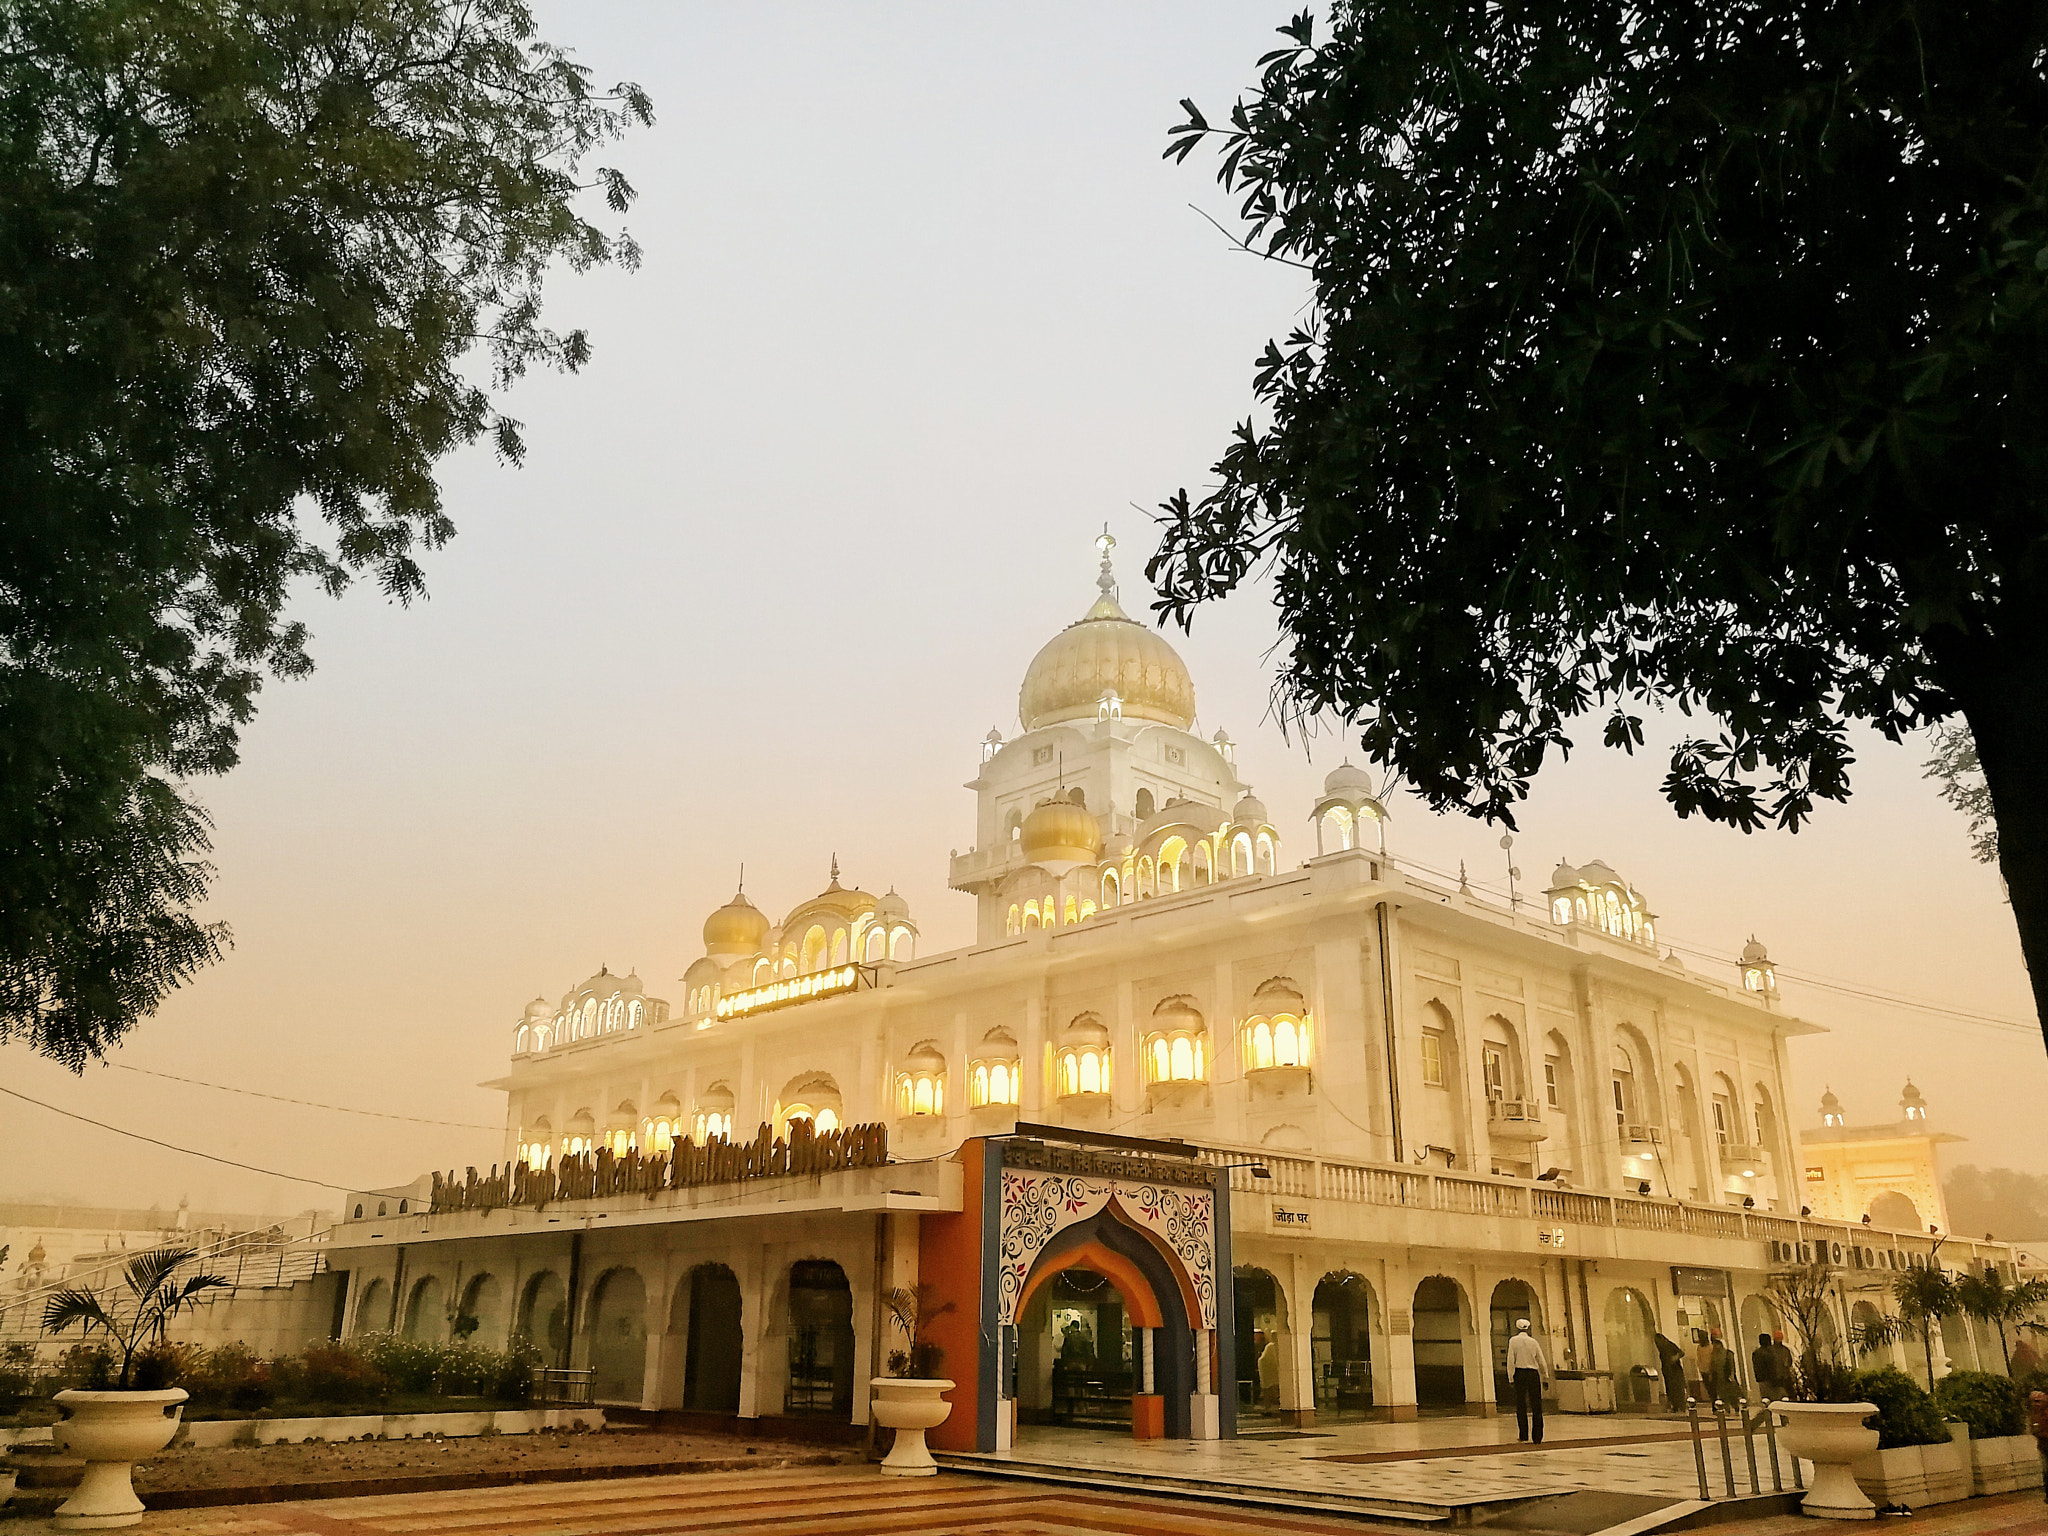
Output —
(1205, 1421)
(1145, 1349)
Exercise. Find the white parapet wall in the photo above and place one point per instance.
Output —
(385, 1426)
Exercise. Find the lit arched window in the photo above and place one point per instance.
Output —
(1083, 1060)
(1175, 1052)
(921, 1087)
(992, 1077)
(1015, 924)
(1278, 1035)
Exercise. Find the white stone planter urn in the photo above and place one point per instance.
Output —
(910, 1405)
(110, 1432)
(1831, 1436)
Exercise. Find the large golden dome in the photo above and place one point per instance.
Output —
(1106, 649)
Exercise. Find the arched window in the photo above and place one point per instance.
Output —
(921, 1086)
(1203, 873)
(1112, 889)
(1278, 1035)
(521, 1041)
(1145, 887)
(1268, 855)
(1083, 1062)
(1031, 914)
(1015, 923)
(816, 950)
(1144, 805)
(902, 944)
(877, 944)
(1241, 854)
(993, 1075)
(839, 946)
(634, 1014)
(1175, 1050)
(1087, 909)
(1336, 829)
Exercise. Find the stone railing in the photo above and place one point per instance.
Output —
(1382, 1184)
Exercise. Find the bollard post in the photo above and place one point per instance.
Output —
(1699, 1453)
(1727, 1458)
(1749, 1447)
(1771, 1441)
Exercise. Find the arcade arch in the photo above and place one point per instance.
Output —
(618, 1338)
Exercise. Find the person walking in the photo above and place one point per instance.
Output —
(1763, 1365)
(1671, 1361)
(1529, 1373)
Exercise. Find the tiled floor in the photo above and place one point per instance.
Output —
(1451, 1462)
(856, 1501)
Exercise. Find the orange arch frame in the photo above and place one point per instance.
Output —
(1128, 1279)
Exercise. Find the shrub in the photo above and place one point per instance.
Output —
(409, 1363)
(1906, 1414)
(88, 1367)
(17, 1371)
(1990, 1405)
(330, 1373)
(229, 1376)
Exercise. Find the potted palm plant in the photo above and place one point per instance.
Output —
(112, 1430)
(910, 1399)
(1822, 1421)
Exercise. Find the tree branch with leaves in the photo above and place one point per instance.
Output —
(1687, 358)
(251, 251)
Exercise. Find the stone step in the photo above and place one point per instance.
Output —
(1409, 1512)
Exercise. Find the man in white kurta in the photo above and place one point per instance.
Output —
(1528, 1373)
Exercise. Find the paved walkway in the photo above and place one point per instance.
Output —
(1445, 1463)
(860, 1502)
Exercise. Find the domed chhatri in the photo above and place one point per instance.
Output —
(1106, 651)
(1060, 836)
(737, 928)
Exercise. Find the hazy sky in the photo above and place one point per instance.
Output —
(922, 307)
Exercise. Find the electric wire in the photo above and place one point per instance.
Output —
(1805, 978)
(278, 1098)
(346, 1189)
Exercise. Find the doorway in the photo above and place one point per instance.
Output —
(1512, 1302)
(1341, 1347)
(713, 1341)
(1074, 1339)
(1262, 1345)
(820, 1341)
(1439, 1344)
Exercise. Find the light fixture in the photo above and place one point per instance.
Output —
(1749, 1202)
(1866, 1218)
(1643, 1187)
(1806, 1210)
(1749, 1173)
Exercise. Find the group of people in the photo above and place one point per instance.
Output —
(1710, 1375)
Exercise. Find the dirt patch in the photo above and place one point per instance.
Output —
(184, 1475)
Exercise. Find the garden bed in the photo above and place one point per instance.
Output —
(185, 1477)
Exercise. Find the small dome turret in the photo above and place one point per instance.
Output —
(737, 928)
(1250, 811)
(1060, 836)
(1346, 779)
(1831, 1109)
(538, 1010)
(892, 905)
(1913, 1102)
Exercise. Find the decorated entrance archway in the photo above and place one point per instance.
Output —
(1104, 1331)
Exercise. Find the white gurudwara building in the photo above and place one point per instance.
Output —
(1200, 1129)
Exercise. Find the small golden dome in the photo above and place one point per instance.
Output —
(737, 928)
(1106, 650)
(1060, 837)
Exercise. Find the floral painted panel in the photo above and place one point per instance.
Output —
(1037, 1207)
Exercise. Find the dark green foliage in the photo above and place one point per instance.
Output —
(1906, 1414)
(135, 1323)
(1683, 356)
(329, 1373)
(247, 254)
(1991, 1405)
(2004, 1201)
